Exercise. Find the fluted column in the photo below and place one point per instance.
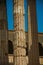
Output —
(19, 39)
(33, 34)
(3, 35)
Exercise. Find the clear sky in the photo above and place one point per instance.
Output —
(39, 10)
(9, 4)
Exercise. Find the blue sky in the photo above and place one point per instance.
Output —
(9, 5)
(39, 10)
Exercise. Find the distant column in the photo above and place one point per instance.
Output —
(19, 35)
(33, 49)
(3, 35)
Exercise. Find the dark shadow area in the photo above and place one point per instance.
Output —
(2, 2)
(10, 47)
(27, 49)
(40, 49)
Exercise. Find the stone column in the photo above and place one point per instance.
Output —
(3, 35)
(33, 49)
(19, 35)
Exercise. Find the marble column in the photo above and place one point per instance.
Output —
(33, 49)
(19, 35)
(3, 35)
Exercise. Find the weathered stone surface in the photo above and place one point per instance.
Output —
(20, 52)
(20, 61)
(19, 39)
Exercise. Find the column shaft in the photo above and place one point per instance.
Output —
(19, 41)
(33, 34)
(3, 35)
